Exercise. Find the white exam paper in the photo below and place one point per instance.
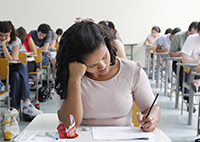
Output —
(120, 133)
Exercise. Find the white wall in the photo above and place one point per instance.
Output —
(133, 18)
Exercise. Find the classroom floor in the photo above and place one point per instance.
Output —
(172, 123)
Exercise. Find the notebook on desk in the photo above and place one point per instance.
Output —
(120, 133)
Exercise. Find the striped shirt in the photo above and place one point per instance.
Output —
(10, 47)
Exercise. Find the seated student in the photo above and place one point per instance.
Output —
(97, 87)
(175, 51)
(191, 52)
(28, 46)
(59, 33)
(151, 39)
(163, 45)
(18, 73)
(168, 31)
(116, 33)
(117, 44)
(42, 39)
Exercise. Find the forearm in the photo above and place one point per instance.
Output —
(6, 53)
(53, 43)
(187, 59)
(159, 50)
(176, 54)
(152, 47)
(45, 47)
(72, 104)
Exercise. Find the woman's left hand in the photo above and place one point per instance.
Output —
(149, 124)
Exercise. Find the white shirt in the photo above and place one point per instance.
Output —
(191, 46)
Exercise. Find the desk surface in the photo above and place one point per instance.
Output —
(131, 44)
(49, 121)
(188, 64)
(162, 53)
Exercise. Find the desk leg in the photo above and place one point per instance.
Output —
(158, 71)
(153, 68)
(148, 60)
(166, 76)
(177, 85)
(191, 94)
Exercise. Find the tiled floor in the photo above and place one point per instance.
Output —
(172, 123)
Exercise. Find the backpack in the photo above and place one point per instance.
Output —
(44, 91)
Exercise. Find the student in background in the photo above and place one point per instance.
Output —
(28, 46)
(59, 33)
(18, 73)
(163, 45)
(89, 74)
(151, 39)
(117, 44)
(42, 39)
(168, 31)
(175, 51)
(191, 54)
(112, 26)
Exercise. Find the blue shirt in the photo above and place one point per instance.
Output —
(42, 42)
(165, 41)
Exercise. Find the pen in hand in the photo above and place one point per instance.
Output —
(150, 109)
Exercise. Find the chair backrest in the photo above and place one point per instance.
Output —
(4, 69)
(23, 57)
(38, 58)
(186, 69)
(135, 113)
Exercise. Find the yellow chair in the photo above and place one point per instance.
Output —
(4, 75)
(23, 57)
(38, 59)
(135, 113)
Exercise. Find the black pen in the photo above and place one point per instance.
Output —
(150, 108)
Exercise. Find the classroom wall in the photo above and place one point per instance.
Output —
(133, 18)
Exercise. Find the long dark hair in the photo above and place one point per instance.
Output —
(21, 34)
(80, 40)
(5, 27)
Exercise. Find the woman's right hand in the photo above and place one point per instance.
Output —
(77, 70)
(6, 40)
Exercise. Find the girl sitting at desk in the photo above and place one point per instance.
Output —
(28, 45)
(18, 73)
(153, 37)
(95, 86)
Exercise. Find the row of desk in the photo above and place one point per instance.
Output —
(179, 64)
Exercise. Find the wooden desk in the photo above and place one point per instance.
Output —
(49, 121)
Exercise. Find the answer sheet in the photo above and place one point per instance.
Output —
(120, 133)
